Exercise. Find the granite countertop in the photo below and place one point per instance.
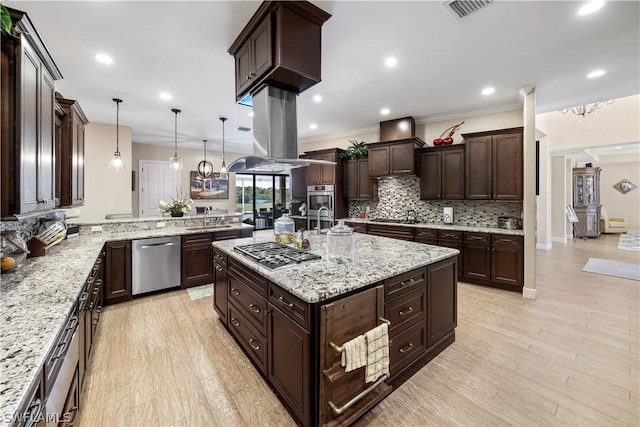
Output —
(376, 258)
(494, 230)
(36, 299)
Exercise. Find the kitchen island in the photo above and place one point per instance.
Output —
(291, 321)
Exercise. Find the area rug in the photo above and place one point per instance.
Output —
(200, 291)
(613, 268)
(630, 241)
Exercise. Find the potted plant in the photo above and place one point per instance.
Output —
(177, 208)
(5, 19)
(356, 150)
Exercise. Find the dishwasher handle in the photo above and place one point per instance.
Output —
(152, 245)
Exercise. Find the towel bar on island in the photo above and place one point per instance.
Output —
(339, 410)
(340, 349)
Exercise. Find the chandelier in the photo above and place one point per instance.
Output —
(582, 111)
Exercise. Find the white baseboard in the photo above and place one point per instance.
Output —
(570, 236)
(529, 293)
(558, 239)
(543, 246)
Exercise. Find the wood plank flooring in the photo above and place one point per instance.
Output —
(569, 358)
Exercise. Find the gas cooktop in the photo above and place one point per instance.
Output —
(274, 255)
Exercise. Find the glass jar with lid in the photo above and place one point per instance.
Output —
(340, 243)
(13, 251)
(283, 228)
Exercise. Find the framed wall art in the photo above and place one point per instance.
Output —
(209, 188)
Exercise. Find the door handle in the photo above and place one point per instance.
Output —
(152, 245)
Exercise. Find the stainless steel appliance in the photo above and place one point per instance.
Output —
(320, 196)
(155, 264)
(274, 255)
(509, 222)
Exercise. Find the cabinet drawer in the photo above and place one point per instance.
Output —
(249, 337)
(196, 239)
(226, 234)
(503, 239)
(407, 346)
(394, 232)
(426, 233)
(220, 258)
(406, 310)
(252, 305)
(477, 237)
(251, 279)
(450, 235)
(358, 227)
(403, 283)
(290, 305)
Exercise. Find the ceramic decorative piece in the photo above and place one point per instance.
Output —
(625, 186)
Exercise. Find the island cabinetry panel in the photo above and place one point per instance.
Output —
(197, 260)
(292, 306)
(252, 341)
(248, 277)
(252, 304)
(393, 231)
(70, 163)
(407, 346)
(442, 173)
(393, 158)
(33, 407)
(220, 285)
(442, 297)
(357, 183)
(118, 272)
(406, 310)
(494, 165)
(403, 283)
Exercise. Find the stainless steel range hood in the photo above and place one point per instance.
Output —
(275, 135)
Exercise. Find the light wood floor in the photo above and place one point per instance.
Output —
(568, 358)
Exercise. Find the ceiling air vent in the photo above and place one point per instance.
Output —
(463, 8)
(243, 129)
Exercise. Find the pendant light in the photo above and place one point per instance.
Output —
(175, 162)
(116, 162)
(205, 168)
(223, 168)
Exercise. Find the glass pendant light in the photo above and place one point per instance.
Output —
(116, 162)
(223, 168)
(175, 162)
(205, 168)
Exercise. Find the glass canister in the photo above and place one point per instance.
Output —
(13, 251)
(283, 228)
(340, 243)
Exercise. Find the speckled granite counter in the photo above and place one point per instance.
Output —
(493, 230)
(376, 259)
(36, 299)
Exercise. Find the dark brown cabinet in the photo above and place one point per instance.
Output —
(33, 407)
(442, 173)
(494, 259)
(299, 184)
(220, 285)
(72, 404)
(453, 239)
(494, 165)
(477, 259)
(586, 201)
(393, 158)
(322, 174)
(300, 223)
(357, 183)
(118, 272)
(197, 260)
(281, 47)
(442, 299)
(393, 231)
(70, 162)
(90, 307)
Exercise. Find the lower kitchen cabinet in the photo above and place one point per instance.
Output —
(494, 260)
(393, 231)
(118, 272)
(220, 285)
(72, 404)
(197, 260)
(442, 299)
(477, 260)
(33, 408)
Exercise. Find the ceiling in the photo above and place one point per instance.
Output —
(443, 63)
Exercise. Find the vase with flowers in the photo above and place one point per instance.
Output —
(177, 207)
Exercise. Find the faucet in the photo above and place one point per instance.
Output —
(319, 210)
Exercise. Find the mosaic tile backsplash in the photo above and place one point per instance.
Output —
(398, 194)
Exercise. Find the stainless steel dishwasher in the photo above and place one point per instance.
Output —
(155, 264)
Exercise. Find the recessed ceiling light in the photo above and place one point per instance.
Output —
(104, 59)
(317, 98)
(390, 62)
(488, 90)
(590, 7)
(165, 95)
(250, 113)
(385, 111)
(596, 73)
(313, 126)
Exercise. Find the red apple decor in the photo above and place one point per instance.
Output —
(448, 140)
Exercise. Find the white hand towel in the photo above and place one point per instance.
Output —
(354, 354)
(377, 352)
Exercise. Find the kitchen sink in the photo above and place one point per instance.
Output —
(207, 227)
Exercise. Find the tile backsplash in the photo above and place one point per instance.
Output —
(398, 194)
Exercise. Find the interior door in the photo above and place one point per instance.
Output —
(157, 182)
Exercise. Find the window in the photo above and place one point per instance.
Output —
(262, 198)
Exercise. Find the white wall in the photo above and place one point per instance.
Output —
(558, 200)
(529, 194)
(616, 203)
(106, 191)
(544, 199)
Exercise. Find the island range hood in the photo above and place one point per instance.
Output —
(275, 135)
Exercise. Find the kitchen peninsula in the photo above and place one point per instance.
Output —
(290, 320)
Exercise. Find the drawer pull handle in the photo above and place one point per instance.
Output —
(286, 303)
(218, 268)
(235, 291)
(235, 322)
(84, 296)
(406, 348)
(253, 344)
(407, 283)
(406, 311)
(73, 322)
(35, 410)
(254, 308)
(61, 352)
(73, 411)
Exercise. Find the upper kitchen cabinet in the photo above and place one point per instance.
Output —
(493, 163)
(71, 153)
(442, 173)
(280, 46)
(298, 183)
(393, 158)
(323, 174)
(28, 117)
(357, 183)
